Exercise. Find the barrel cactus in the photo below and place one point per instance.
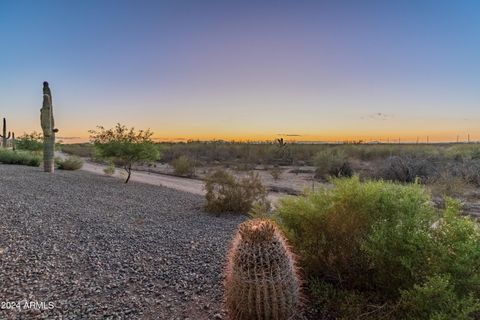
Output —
(261, 280)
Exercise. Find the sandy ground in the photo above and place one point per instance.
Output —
(86, 246)
(289, 183)
(293, 180)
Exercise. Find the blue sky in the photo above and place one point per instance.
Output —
(322, 70)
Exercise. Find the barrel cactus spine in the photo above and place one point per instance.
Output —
(261, 277)
(48, 128)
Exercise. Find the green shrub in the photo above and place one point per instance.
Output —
(382, 238)
(225, 193)
(24, 158)
(30, 142)
(70, 163)
(333, 303)
(332, 162)
(436, 299)
(84, 150)
(110, 169)
(183, 166)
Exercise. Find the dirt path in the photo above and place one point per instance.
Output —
(195, 186)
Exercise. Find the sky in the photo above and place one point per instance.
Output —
(245, 70)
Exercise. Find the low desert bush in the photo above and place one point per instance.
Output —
(30, 141)
(225, 193)
(69, 163)
(110, 169)
(407, 168)
(468, 168)
(448, 183)
(437, 298)
(84, 150)
(332, 162)
(386, 241)
(25, 158)
(183, 166)
(276, 172)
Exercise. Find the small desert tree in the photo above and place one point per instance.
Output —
(124, 146)
(30, 141)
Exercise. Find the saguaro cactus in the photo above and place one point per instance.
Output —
(14, 147)
(5, 136)
(48, 127)
(261, 279)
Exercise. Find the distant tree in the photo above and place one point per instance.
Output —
(30, 141)
(124, 146)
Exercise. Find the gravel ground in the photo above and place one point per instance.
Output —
(97, 248)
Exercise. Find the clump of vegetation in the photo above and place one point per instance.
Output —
(183, 166)
(437, 298)
(276, 172)
(332, 162)
(447, 183)
(384, 244)
(83, 150)
(69, 163)
(30, 141)
(225, 193)
(25, 158)
(110, 169)
(261, 279)
(468, 168)
(124, 146)
(407, 168)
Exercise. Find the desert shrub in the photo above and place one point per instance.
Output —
(383, 238)
(84, 150)
(276, 172)
(183, 166)
(332, 162)
(110, 169)
(29, 141)
(463, 150)
(331, 302)
(25, 158)
(448, 182)
(468, 168)
(407, 168)
(69, 163)
(436, 299)
(225, 193)
(261, 210)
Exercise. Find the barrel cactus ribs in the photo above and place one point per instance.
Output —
(261, 279)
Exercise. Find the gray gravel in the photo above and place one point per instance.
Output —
(97, 248)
